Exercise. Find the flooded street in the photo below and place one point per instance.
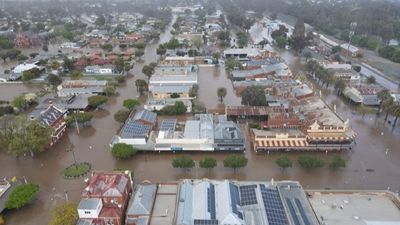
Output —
(8, 91)
(210, 79)
(92, 145)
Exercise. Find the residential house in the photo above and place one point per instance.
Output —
(52, 117)
(105, 199)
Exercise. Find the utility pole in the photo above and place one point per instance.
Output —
(353, 26)
(71, 149)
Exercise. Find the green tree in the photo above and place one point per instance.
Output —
(100, 21)
(82, 117)
(123, 151)
(221, 93)
(20, 135)
(254, 96)
(284, 162)
(197, 42)
(310, 162)
(65, 214)
(96, 101)
(161, 50)
(208, 163)
(298, 39)
(172, 44)
(22, 57)
(75, 75)
(178, 108)
(30, 74)
(68, 64)
(242, 39)
(20, 102)
(148, 70)
(371, 80)
(281, 42)
(130, 103)
(395, 111)
(121, 115)
(337, 162)
(336, 49)
(235, 162)
(141, 86)
(22, 195)
(119, 64)
(6, 43)
(139, 53)
(183, 162)
(54, 80)
(340, 85)
(110, 90)
(107, 47)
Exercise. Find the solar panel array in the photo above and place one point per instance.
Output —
(292, 212)
(273, 206)
(134, 130)
(168, 124)
(235, 200)
(302, 212)
(248, 194)
(211, 201)
(205, 222)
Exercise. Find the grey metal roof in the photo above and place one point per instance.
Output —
(170, 89)
(192, 129)
(89, 203)
(84, 222)
(47, 116)
(145, 115)
(142, 202)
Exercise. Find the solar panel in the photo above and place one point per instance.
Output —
(273, 206)
(134, 130)
(168, 124)
(302, 212)
(235, 200)
(248, 194)
(211, 201)
(205, 222)
(292, 212)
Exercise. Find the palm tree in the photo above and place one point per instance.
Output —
(221, 92)
(340, 85)
(383, 96)
(386, 107)
(395, 111)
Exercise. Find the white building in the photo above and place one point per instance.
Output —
(100, 70)
(25, 67)
(353, 50)
(90, 208)
(72, 45)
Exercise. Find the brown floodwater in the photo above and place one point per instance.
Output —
(376, 151)
(8, 91)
